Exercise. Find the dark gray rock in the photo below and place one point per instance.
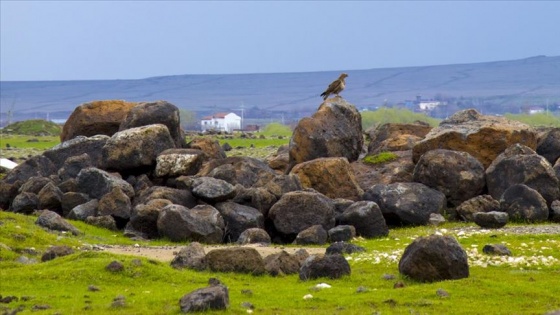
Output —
(25, 203)
(254, 236)
(202, 223)
(235, 259)
(105, 221)
(115, 266)
(343, 248)
(96, 183)
(70, 200)
(74, 164)
(69, 185)
(239, 218)
(496, 249)
(34, 184)
(327, 266)
(342, 233)
(205, 299)
(491, 220)
(259, 198)
(37, 165)
(434, 258)
(313, 235)
(115, 203)
(191, 256)
(75, 147)
(53, 221)
(143, 219)
(482, 203)
(406, 203)
(160, 112)
(555, 211)
(212, 190)
(136, 148)
(283, 184)
(456, 174)
(50, 198)
(366, 218)
(242, 170)
(181, 197)
(56, 251)
(341, 204)
(549, 145)
(81, 212)
(523, 203)
(281, 264)
(296, 211)
(520, 165)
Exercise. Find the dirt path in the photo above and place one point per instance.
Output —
(167, 253)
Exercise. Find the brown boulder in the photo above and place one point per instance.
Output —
(335, 130)
(483, 137)
(396, 137)
(96, 118)
(396, 171)
(209, 146)
(333, 177)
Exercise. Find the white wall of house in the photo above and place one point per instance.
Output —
(221, 122)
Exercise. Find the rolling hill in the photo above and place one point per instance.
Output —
(507, 84)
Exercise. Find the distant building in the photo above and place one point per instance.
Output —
(221, 122)
(535, 110)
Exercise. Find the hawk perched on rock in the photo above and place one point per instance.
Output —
(335, 87)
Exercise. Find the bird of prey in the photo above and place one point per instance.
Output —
(335, 87)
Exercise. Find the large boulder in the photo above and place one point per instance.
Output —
(333, 177)
(523, 203)
(298, 210)
(160, 112)
(324, 266)
(191, 256)
(491, 220)
(74, 164)
(396, 137)
(72, 199)
(212, 189)
(202, 223)
(143, 219)
(366, 218)
(34, 184)
(83, 211)
(397, 170)
(239, 218)
(334, 130)
(549, 145)
(181, 197)
(136, 147)
(456, 174)
(256, 197)
(115, 203)
(215, 297)
(95, 118)
(313, 235)
(483, 137)
(92, 146)
(406, 203)
(521, 165)
(246, 171)
(235, 259)
(254, 236)
(281, 264)
(37, 165)
(50, 198)
(177, 162)
(53, 221)
(434, 258)
(25, 203)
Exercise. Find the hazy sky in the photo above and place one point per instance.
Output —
(75, 40)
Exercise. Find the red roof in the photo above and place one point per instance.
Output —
(216, 115)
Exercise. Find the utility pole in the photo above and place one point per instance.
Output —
(242, 114)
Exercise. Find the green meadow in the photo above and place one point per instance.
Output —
(525, 283)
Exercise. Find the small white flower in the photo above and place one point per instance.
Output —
(307, 296)
(323, 286)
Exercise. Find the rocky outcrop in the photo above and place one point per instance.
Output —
(456, 174)
(334, 130)
(434, 258)
(483, 137)
(332, 177)
(96, 118)
(406, 203)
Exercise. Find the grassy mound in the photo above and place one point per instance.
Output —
(34, 127)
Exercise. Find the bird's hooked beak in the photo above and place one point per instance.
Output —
(344, 75)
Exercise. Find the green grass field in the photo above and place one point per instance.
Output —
(527, 284)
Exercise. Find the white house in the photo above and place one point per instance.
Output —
(221, 122)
